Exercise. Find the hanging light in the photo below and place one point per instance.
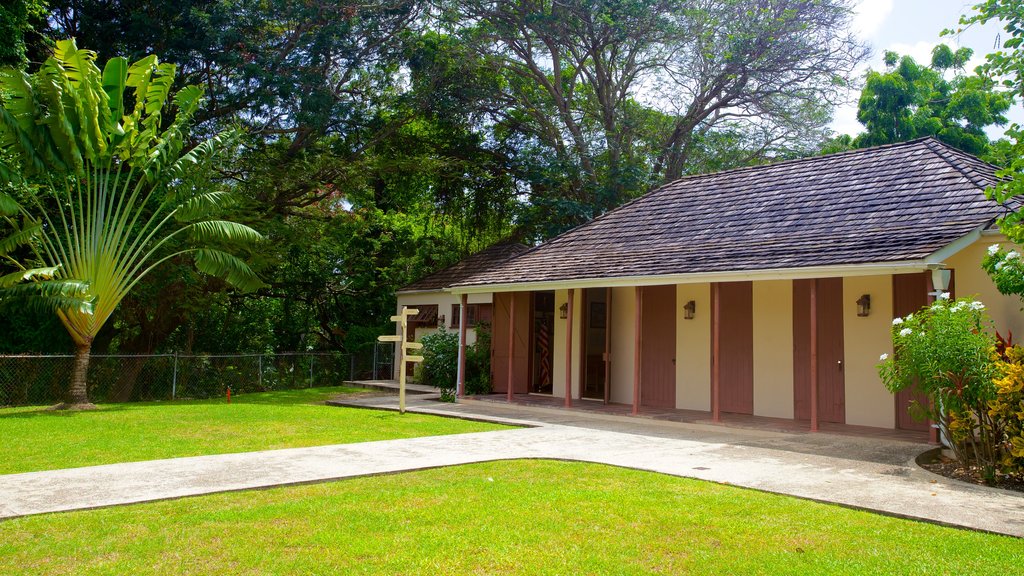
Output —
(864, 305)
(689, 309)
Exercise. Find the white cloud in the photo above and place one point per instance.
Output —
(869, 16)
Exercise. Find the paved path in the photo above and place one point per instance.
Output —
(865, 473)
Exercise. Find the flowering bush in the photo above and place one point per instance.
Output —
(1006, 268)
(1007, 409)
(946, 349)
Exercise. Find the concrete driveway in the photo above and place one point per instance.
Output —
(864, 473)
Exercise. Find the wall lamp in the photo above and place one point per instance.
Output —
(864, 305)
(563, 311)
(440, 320)
(689, 309)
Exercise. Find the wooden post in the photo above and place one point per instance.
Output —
(933, 431)
(461, 383)
(568, 348)
(511, 343)
(814, 355)
(716, 360)
(607, 345)
(637, 348)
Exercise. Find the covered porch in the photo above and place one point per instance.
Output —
(786, 354)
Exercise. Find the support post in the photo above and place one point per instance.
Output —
(814, 355)
(607, 345)
(511, 344)
(568, 348)
(460, 384)
(259, 370)
(638, 324)
(933, 292)
(716, 353)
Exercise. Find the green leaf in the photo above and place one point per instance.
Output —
(230, 268)
(51, 295)
(19, 238)
(115, 77)
(225, 231)
(33, 274)
(204, 205)
(8, 205)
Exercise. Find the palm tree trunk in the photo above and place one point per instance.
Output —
(78, 393)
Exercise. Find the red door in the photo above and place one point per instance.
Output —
(658, 352)
(831, 379)
(736, 347)
(910, 294)
(499, 342)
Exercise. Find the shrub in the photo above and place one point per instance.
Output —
(441, 362)
(1007, 409)
(478, 361)
(946, 349)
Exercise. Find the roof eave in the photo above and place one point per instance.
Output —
(863, 269)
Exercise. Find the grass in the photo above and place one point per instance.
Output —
(38, 439)
(514, 517)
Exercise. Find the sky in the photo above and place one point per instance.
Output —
(913, 27)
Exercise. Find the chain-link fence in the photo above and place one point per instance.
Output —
(383, 361)
(36, 380)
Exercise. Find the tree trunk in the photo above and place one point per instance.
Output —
(78, 393)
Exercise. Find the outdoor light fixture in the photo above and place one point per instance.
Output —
(689, 309)
(563, 311)
(864, 305)
(440, 320)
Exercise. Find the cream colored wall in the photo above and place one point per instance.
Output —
(623, 329)
(773, 348)
(868, 402)
(971, 280)
(693, 348)
(558, 378)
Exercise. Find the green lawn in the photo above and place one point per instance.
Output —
(38, 439)
(517, 517)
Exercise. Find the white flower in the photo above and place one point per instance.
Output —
(921, 333)
(910, 317)
(883, 357)
(943, 296)
(1012, 254)
(906, 332)
(977, 306)
(897, 321)
(993, 249)
(958, 307)
(999, 265)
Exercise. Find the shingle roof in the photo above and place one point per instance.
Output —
(481, 262)
(899, 202)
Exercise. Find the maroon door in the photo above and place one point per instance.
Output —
(499, 342)
(736, 347)
(831, 379)
(910, 294)
(658, 353)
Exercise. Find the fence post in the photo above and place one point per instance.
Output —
(376, 348)
(174, 377)
(259, 366)
(311, 360)
(352, 366)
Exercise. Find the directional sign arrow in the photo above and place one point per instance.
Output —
(395, 338)
(414, 358)
(413, 345)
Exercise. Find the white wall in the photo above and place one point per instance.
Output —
(622, 329)
(773, 348)
(868, 402)
(693, 348)
(559, 352)
(971, 280)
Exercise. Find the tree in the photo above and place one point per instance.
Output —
(618, 95)
(18, 18)
(1006, 67)
(910, 100)
(98, 195)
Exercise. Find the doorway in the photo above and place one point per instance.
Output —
(658, 354)
(831, 377)
(543, 342)
(596, 316)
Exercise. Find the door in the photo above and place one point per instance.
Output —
(595, 342)
(658, 350)
(736, 347)
(543, 342)
(910, 294)
(831, 377)
(499, 342)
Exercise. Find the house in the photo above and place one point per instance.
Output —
(767, 290)
(438, 308)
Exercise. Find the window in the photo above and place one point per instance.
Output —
(475, 313)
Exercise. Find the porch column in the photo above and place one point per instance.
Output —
(637, 348)
(814, 355)
(460, 385)
(511, 342)
(933, 292)
(607, 345)
(568, 349)
(716, 360)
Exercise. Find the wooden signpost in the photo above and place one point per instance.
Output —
(404, 347)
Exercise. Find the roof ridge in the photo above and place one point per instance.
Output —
(945, 152)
